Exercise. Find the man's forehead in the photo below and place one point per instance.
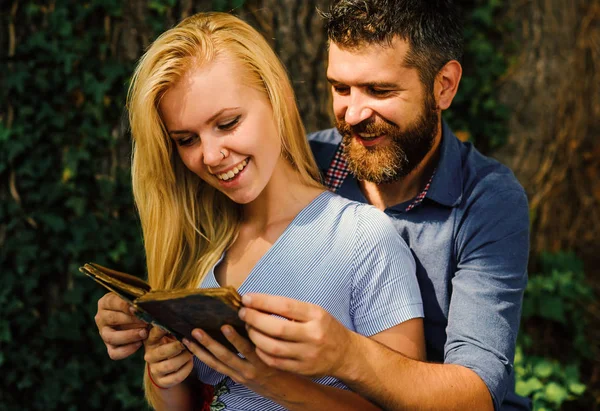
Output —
(394, 45)
(378, 63)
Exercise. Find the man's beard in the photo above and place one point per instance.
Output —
(406, 149)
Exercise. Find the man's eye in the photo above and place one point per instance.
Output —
(341, 89)
(379, 92)
(230, 124)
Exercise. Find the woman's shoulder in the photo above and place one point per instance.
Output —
(368, 219)
(336, 201)
(361, 210)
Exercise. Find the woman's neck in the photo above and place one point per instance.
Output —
(282, 199)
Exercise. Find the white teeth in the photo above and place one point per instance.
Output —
(364, 135)
(231, 173)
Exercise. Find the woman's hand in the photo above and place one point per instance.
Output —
(250, 371)
(121, 331)
(169, 363)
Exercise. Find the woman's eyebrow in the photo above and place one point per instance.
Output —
(218, 113)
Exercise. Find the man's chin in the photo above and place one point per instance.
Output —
(372, 171)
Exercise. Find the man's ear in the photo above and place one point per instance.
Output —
(446, 84)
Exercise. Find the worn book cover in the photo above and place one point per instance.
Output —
(176, 311)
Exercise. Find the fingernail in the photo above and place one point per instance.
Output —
(227, 330)
(197, 335)
(242, 313)
(246, 299)
(186, 341)
(143, 333)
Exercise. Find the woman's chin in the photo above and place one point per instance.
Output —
(241, 198)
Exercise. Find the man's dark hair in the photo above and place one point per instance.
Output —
(432, 28)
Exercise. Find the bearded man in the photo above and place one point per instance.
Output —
(393, 68)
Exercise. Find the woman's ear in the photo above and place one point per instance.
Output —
(446, 84)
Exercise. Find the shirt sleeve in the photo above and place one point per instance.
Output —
(385, 289)
(492, 248)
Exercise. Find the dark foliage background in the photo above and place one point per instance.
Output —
(65, 196)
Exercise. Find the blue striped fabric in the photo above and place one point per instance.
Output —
(346, 257)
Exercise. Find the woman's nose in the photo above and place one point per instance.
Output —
(212, 153)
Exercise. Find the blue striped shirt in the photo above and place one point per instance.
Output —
(344, 256)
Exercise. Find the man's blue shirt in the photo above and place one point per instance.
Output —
(470, 239)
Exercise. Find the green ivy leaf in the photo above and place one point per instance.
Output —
(54, 222)
(526, 388)
(571, 373)
(543, 369)
(219, 5)
(483, 15)
(553, 309)
(5, 334)
(577, 388)
(4, 133)
(158, 6)
(555, 393)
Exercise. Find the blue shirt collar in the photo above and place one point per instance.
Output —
(447, 184)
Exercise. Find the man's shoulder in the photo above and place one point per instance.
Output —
(329, 136)
(486, 177)
(324, 144)
(492, 197)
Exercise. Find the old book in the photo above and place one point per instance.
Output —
(176, 311)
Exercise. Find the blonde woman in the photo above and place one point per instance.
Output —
(229, 194)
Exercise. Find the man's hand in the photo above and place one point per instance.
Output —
(292, 391)
(121, 331)
(311, 343)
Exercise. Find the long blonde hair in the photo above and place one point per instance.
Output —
(186, 223)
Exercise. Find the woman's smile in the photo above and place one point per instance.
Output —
(232, 173)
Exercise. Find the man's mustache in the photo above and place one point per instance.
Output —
(367, 126)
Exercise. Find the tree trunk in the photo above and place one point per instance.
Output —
(295, 31)
(553, 147)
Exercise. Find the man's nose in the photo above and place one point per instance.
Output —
(358, 109)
